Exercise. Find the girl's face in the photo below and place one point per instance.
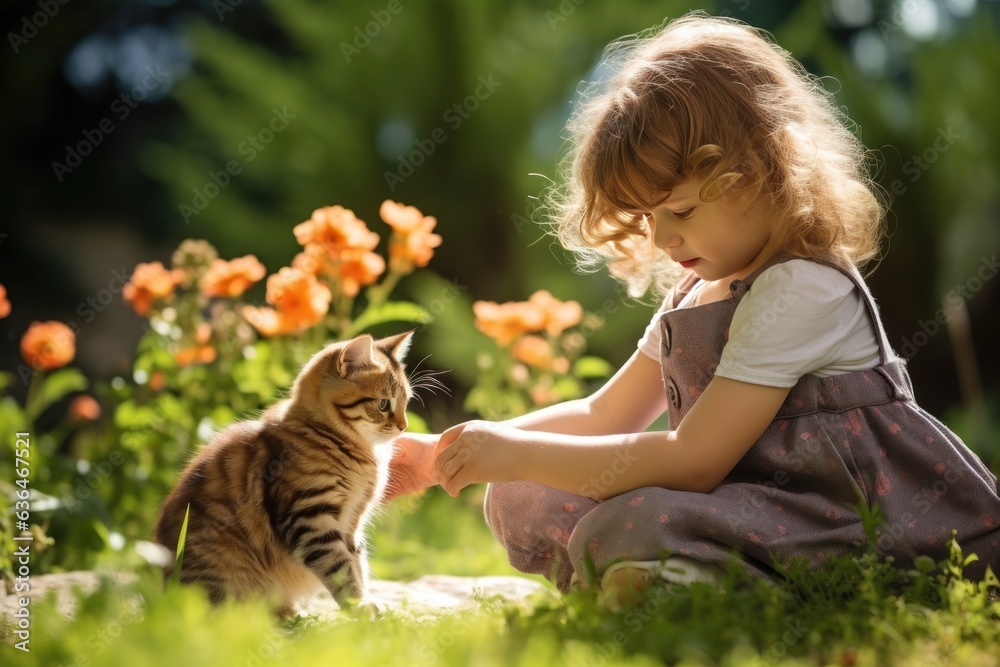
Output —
(723, 239)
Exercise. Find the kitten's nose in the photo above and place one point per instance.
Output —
(401, 422)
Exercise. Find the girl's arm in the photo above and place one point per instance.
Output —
(627, 403)
(720, 428)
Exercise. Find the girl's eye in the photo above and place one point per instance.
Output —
(384, 405)
(684, 215)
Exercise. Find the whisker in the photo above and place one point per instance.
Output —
(433, 385)
(417, 365)
(426, 379)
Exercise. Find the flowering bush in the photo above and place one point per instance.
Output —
(538, 360)
(211, 355)
(103, 461)
(46, 348)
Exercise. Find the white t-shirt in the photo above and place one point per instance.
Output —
(798, 318)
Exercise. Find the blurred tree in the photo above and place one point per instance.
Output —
(453, 107)
(918, 86)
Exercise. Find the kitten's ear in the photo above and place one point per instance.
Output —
(357, 353)
(397, 346)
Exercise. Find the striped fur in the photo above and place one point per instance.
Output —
(279, 505)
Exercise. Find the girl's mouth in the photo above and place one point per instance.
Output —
(688, 263)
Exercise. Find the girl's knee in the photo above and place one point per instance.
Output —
(503, 503)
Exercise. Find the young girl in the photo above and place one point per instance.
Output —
(714, 165)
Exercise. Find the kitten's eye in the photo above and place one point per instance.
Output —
(384, 405)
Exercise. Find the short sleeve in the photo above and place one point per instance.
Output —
(799, 317)
(649, 344)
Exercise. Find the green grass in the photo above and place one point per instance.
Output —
(853, 612)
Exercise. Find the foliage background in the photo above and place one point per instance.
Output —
(359, 105)
(904, 71)
(908, 72)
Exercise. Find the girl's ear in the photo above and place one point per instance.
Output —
(356, 353)
(397, 346)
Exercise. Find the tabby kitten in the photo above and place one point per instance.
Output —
(279, 504)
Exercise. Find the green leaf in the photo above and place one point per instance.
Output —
(53, 387)
(131, 416)
(5, 380)
(175, 576)
(592, 367)
(390, 311)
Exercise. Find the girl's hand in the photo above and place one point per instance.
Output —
(477, 451)
(412, 465)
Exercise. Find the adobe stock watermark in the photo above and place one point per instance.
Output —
(223, 7)
(123, 105)
(897, 16)
(91, 477)
(30, 25)
(454, 116)
(270, 647)
(363, 36)
(562, 13)
(100, 641)
(739, 5)
(635, 620)
(918, 164)
(892, 534)
(249, 148)
(961, 293)
(779, 302)
(779, 649)
(596, 486)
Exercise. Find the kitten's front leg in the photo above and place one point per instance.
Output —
(338, 565)
(368, 602)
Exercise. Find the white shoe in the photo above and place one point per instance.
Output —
(624, 584)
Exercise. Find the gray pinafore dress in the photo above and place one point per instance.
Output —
(835, 442)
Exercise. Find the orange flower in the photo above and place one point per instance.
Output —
(335, 229)
(150, 282)
(203, 333)
(414, 250)
(412, 241)
(559, 315)
(541, 312)
(4, 303)
(232, 278)
(199, 354)
(506, 321)
(534, 351)
(84, 408)
(157, 381)
(313, 259)
(543, 395)
(300, 301)
(47, 346)
(403, 219)
(357, 268)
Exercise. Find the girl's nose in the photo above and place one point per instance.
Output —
(663, 236)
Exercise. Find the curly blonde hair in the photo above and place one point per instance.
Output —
(710, 98)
